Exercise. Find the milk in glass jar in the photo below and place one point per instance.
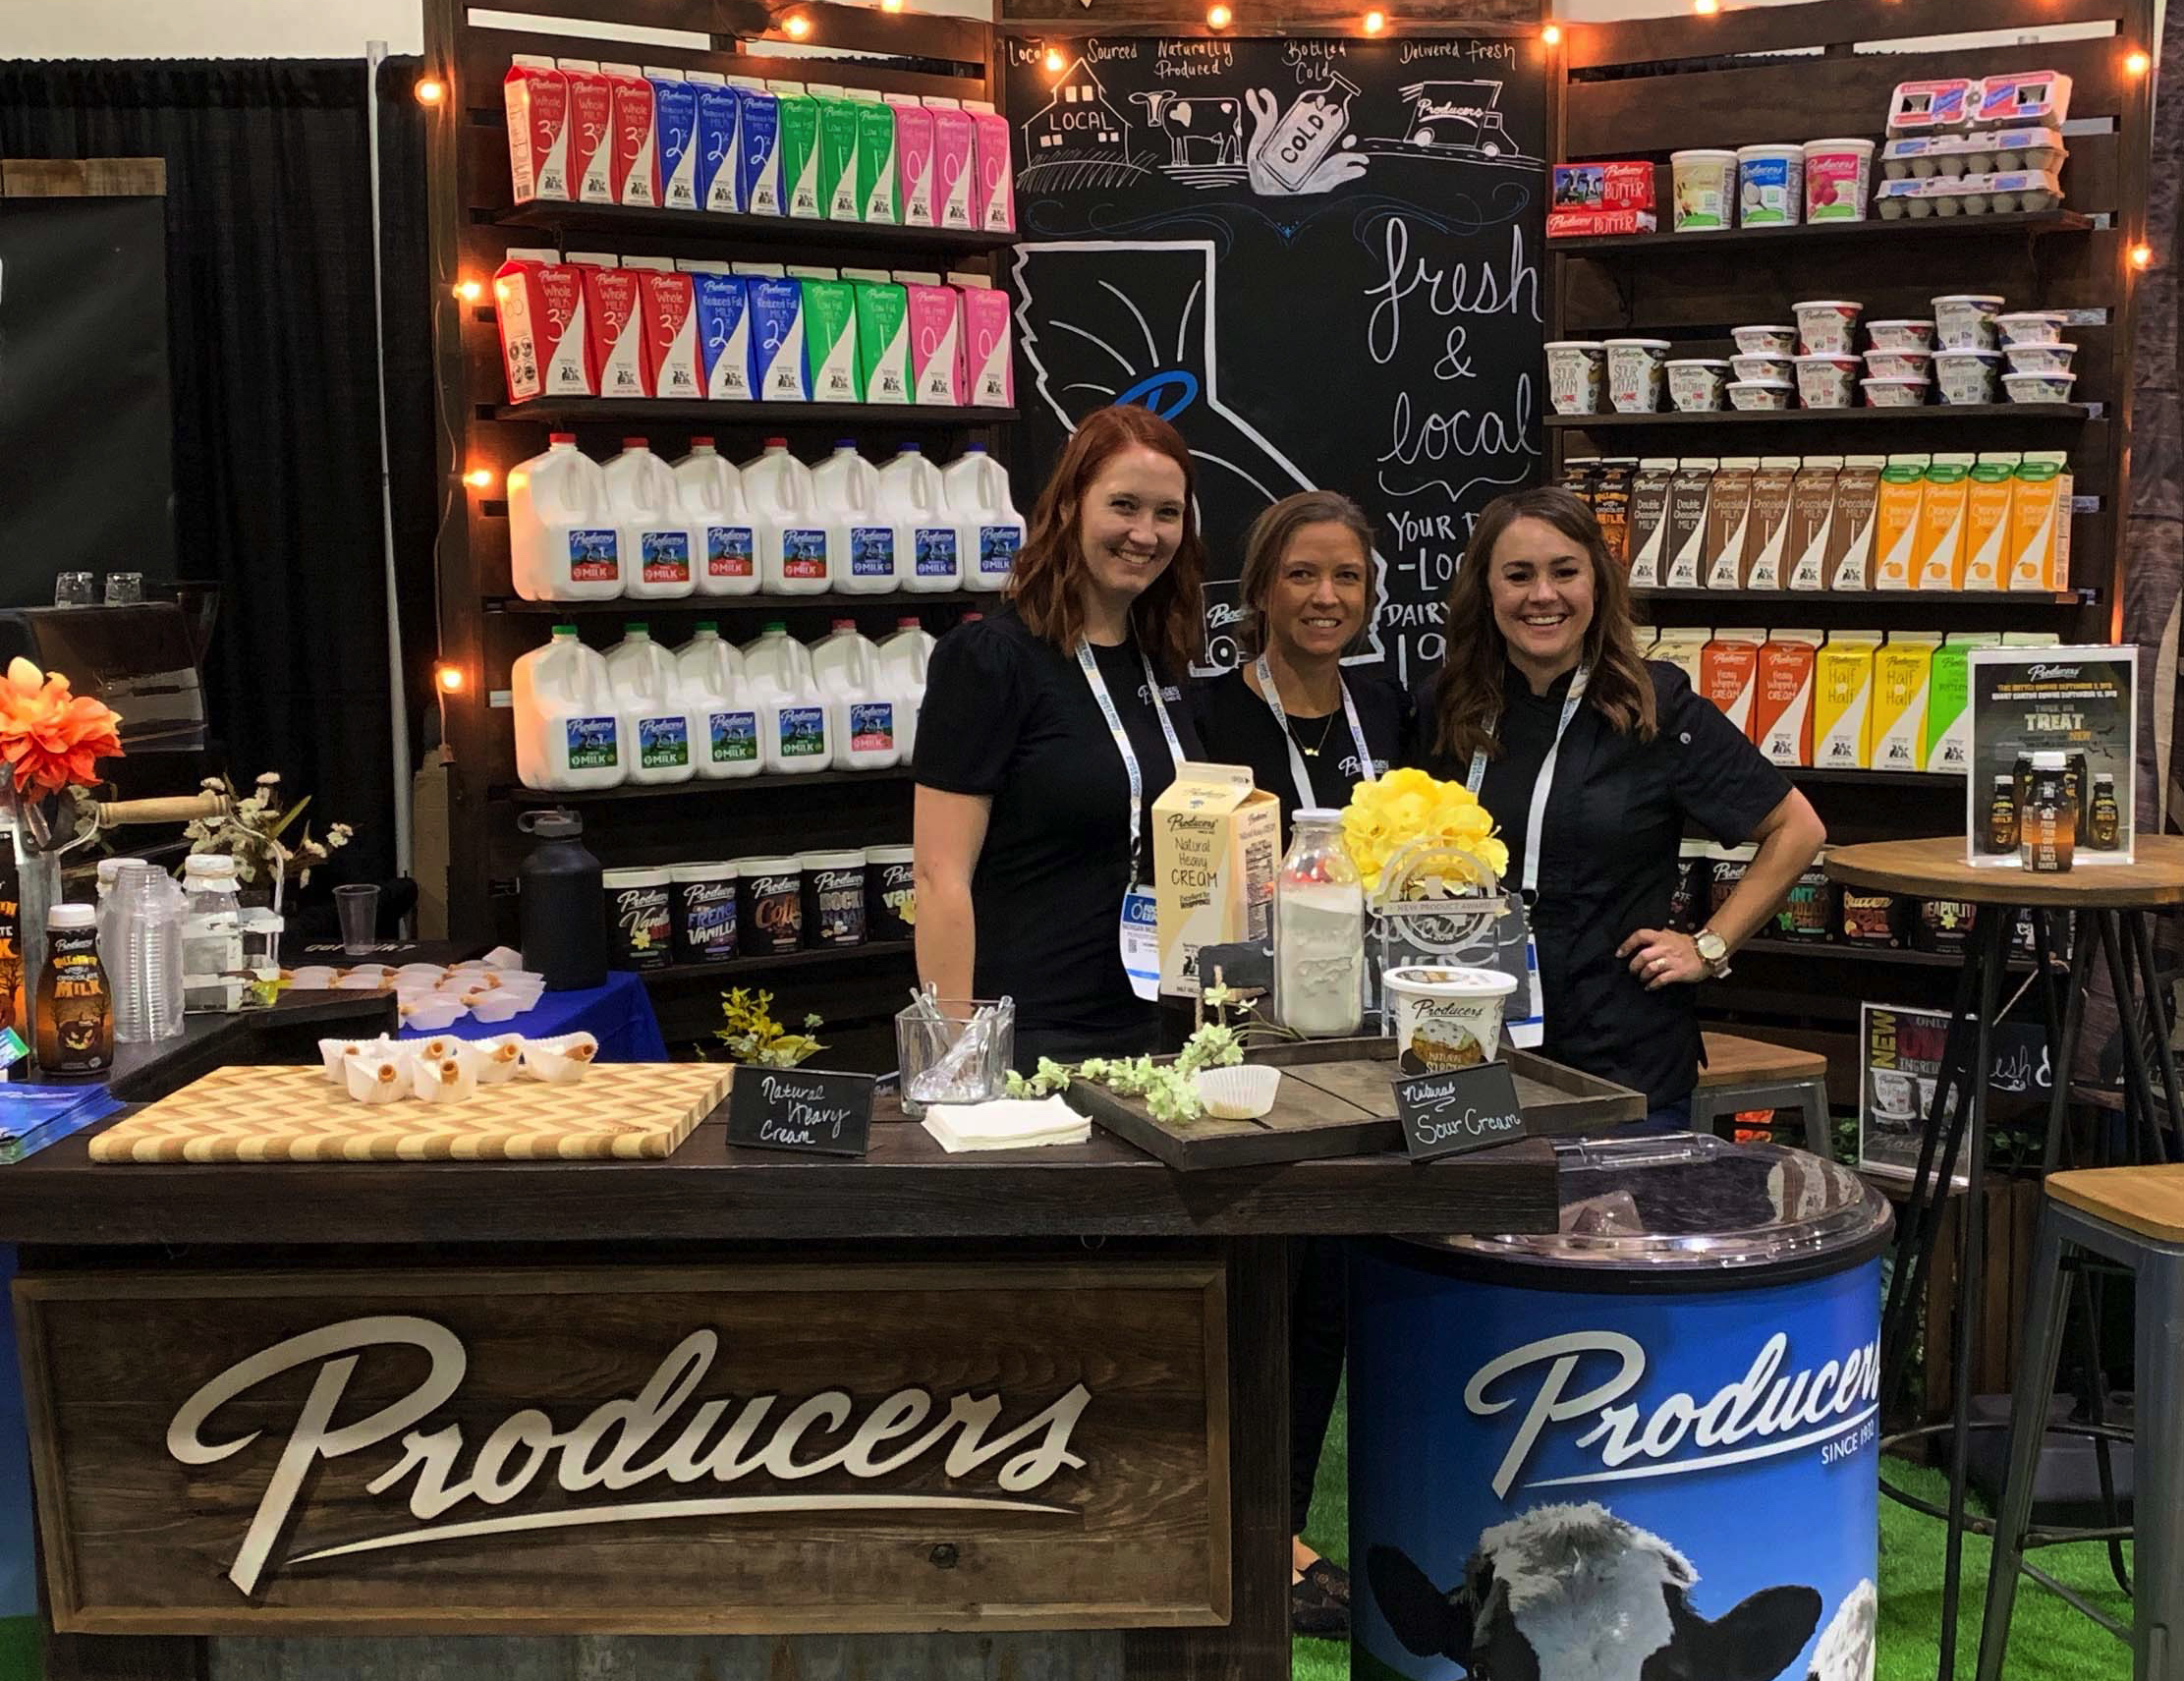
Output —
(1319, 932)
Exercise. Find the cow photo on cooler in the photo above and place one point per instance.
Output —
(1572, 1592)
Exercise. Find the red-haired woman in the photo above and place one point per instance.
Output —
(1592, 763)
(1049, 730)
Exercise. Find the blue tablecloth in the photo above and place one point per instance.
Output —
(619, 1015)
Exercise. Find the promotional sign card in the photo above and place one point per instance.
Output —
(2077, 702)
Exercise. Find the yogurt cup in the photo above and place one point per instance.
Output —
(1696, 386)
(1827, 381)
(1965, 321)
(1752, 394)
(1577, 375)
(1771, 185)
(2030, 327)
(1705, 189)
(1967, 376)
(1899, 363)
(1837, 174)
(1446, 1016)
(2038, 388)
(2035, 358)
(1900, 335)
(1635, 374)
(1783, 367)
(1765, 341)
(1895, 393)
(1827, 327)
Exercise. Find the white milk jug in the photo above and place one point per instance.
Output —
(903, 657)
(562, 543)
(793, 556)
(569, 732)
(867, 549)
(792, 733)
(861, 712)
(978, 489)
(656, 534)
(911, 496)
(726, 557)
(717, 690)
(661, 729)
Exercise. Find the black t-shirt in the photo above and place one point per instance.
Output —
(1237, 727)
(1009, 716)
(1615, 824)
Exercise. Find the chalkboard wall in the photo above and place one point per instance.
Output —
(1320, 258)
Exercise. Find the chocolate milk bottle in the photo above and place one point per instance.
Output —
(1649, 519)
(1688, 496)
(1811, 517)
(1850, 536)
(1728, 516)
(1767, 537)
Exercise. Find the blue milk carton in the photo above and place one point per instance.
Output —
(722, 306)
(675, 121)
(776, 339)
(758, 147)
(716, 139)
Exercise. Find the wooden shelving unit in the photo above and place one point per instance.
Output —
(618, 221)
(1985, 416)
(902, 602)
(702, 416)
(1922, 230)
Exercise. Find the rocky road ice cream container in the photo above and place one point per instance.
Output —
(1765, 341)
(1827, 381)
(1577, 375)
(1827, 327)
(1696, 386)
(1837, 174)
(1965, 321)
(1754, 394)
(1771, 185)
(1635, 370)
(1705, 189)
(1894, 393)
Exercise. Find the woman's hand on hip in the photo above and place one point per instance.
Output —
(1663, 957)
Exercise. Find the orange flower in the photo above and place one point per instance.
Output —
(52, 739)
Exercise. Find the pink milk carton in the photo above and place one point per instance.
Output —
(539, 300)
(637, 159)
(985, 337)
(614, 327)
(668, 305)
(913, 160)
(994, 204)
(954, 175)
(590, 132)
(536, 94)
(937, 372)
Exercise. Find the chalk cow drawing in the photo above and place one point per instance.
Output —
(1218, 121)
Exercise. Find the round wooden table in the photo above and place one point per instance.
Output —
(2107, 906)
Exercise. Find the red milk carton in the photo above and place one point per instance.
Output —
(590, 132)
(637, 159)
(536, 94)
(614, 343)
(667, 302)
(539, 300)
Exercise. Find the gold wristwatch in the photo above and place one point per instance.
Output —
(1714, 952)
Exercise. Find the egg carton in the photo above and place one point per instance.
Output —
(1969, 194)
(1918, 157)
(1952, 104)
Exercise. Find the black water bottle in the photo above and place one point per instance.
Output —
(561, 903)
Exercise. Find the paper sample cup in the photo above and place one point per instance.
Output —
(1827, 381)
(1634, 373)
(1765, 341)
(1705, 189)
(1965, 321)
(1577, 375)
(1771, 185)
(1838, 177)
(1696, 386)
(1827, 327)
(1967, 376)
(1446, 1016)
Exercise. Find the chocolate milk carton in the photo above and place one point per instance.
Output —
(1216, 844)
(539, 300)
(1783, 697)
(1812, 519)
(1899, 505)
(591, 130)
(1842, 700)
(1728, 521)
(1768, 536)
(1611, 506)
(1729, 673)
(1903, 670)
(1649, 519)
(536, 94)
(1850, 537)
(1688, 496)
(1987, 510)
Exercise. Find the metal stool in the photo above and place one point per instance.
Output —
(1750, 1074)
(2134, 1218)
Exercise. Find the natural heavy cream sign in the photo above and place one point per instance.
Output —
(1216, 841)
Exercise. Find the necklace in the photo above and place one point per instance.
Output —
(1325, 729)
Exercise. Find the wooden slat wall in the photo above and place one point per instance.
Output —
(1284, 16)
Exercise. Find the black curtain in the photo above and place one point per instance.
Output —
(275, 396)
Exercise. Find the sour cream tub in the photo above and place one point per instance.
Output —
(1695, 384)
(1705, 187)
(2038, 388)
(1827, 381)
(1965, 321)
(1895, 393)
(2035, 358)
(1446, 1016)
(1783, 367)
(1771, 185)
(1635, 372)
(1899, 363)
(1752, 394)
(1837, 180)
(1577, 375)
(1967, 376)
(1765, 341)
(2030, 327)
(1827, 327)
(1901, 335)
(1662, 1417)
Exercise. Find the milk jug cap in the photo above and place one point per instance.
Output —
(841, 444)
(911, 449)
(774, 628)
(551, 822)
(973, 449)
(72, 917)
(564, 633)
(634, 443)
(908, 622)
(773, 444)
(637, 630)
(708, 627)
(562, 440)
(848, 625)
(697, 444)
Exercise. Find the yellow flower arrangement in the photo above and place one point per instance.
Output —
(1406, 806)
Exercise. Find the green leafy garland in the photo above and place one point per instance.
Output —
(1169, 1090)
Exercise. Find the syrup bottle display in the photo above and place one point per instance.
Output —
(75, 1007)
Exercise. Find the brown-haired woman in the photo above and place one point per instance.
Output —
(1592, 763)
(1047, 731)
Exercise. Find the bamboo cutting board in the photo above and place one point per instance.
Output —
(619, 1110)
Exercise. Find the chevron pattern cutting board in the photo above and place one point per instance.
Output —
(619, 1110)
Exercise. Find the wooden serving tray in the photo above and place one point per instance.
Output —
(1339, 1099)
(619, 1110)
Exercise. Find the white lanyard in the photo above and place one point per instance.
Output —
(1122, 737)
(1298, 775)
(1536, 819)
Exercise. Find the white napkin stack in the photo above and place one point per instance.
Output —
(1007, 1123)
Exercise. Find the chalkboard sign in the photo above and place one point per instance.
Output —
(1319, 259)
(1462, 1109)
(801, 1108)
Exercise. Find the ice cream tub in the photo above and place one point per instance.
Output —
(1836, 176)
(1765, 341)
(2041, 358)
(1695, 384)
(1635, 370)
(2029, 327)
(1783, 367)
(1771, 185)
(2038, 388)
(1900, 335)
(1577, 375)
(1705, 187)
(1965, 321)
(1828, 381)
(1894, 393)
(1446, 1016)
(1753, 394)
(1899, 363)
(1827, 327)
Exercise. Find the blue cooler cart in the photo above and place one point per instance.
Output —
(1644, 1447)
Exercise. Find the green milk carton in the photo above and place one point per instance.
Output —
(837, 152)
(875, 157)
(882, 334)
(1948, 740)
(800, 149)
(829, 336)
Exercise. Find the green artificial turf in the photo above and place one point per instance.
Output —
(2048, 1641)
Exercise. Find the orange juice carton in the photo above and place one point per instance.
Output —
(1903, 672)
(1767, 536)
(1937, 562)
(1948, 730)
(1811, 517)
(539, 300)
(1850, 536)
(1843, 700)
(1782, 695)
(2040, 521)
(1986, 520)
(1728, 518)
(1729, 673)
(1896, 509)
(1649, 519)
(1684, 554)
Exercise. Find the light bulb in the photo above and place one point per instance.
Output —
(1219, 16)
(470, 291)
(797, 25)
(429, 89)
(1053, 62)
(2142, 257)
(449, 678)
(1706, 6)
(2137, 62)
(1552, 34)
(1375, 22)
(480, 479)
(890, 5)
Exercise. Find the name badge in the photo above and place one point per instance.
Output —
(1137, 935)
(1528, 1030)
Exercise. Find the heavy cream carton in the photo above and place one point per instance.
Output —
(1685, 647)
(1729, 673)
(1897, 507)
(1688, 497)
(1767, 536)
(1986, 520)
(1939, 563)
(537, 95)
(1728, 518)
(1842, 700)
(1850, 538)
(2040, 521)
(1903, 671)
(1216, 844)
(1783, 697)
(539, 300)
(1812, 519)
(1948, 728)
(1649, 519)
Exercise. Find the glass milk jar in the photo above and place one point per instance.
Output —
(1318, 931)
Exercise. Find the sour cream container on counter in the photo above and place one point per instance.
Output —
(1705, 189)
